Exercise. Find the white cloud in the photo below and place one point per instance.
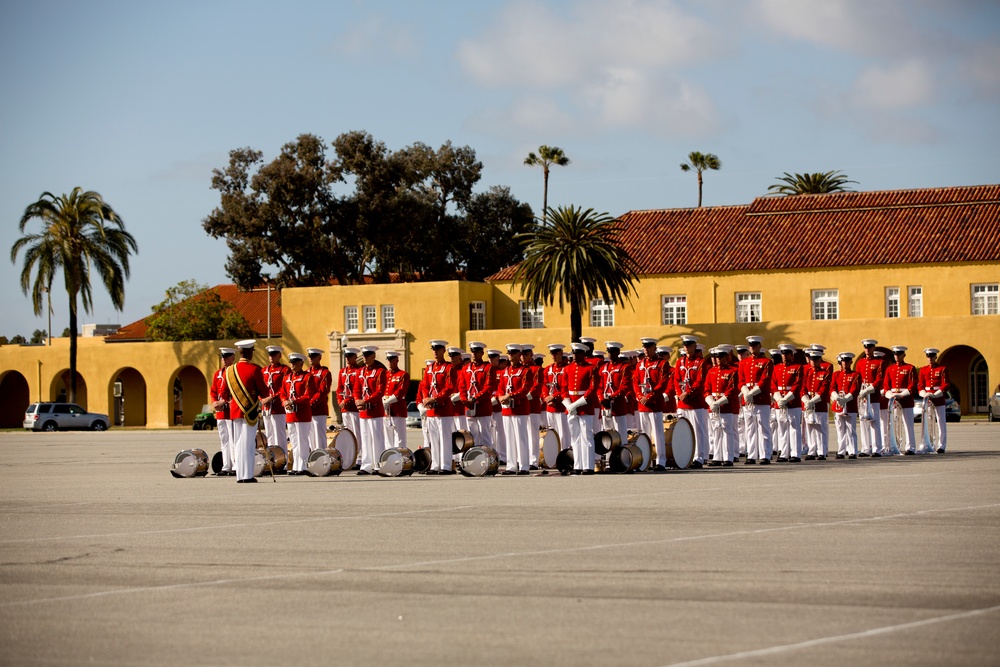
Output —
(375, 36)
(903, 85)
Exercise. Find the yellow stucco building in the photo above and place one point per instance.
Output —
(919, 268)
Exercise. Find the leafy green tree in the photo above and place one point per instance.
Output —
(66, 333)
(38, 336)
(4, 340)
(546, 157)
(575, 256)
(699, 163)
(80, 234)
(195, 312)
(18, 340)
(811, 184)
(492, 218)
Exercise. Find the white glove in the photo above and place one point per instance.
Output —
(866, 391)
(747, 396)
(755, 391)
(711, 403)
(776, 396)
(885, 394)
(455, 398)
(835, 396)
(922, 393)
(390, 399)
(494, 401)
(722, 400)
(814, 401)
(785, 399)
(566, 404)
(902, 393)
(578, 403)
(529, 396)
(847, 399)
(938, 394)
(422, 409)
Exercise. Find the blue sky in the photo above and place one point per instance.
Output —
(141, 100)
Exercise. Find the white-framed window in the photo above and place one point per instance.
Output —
(602, 313)
(986, 299)
(892, 302)
(371, 323)
(388, 317)
(825, 304)
(675, 308)
(477, 315)
(748, 307)
(351, 319)
(532, 317)
(915, 301)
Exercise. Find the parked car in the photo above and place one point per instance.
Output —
(952, 410)
(63, 416)
(205, 420)
(993, 414)
(412, 415)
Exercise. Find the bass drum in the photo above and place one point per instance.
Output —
(344, 441)
(422, 459)
(549, 446)
(323, 462)
(461, 441)
(395, 462)
(481, 461)
(606, 441)
(190, 463)
(277, 456)
(564, 461)
(625, 458)
(645, 445)
(678, 437)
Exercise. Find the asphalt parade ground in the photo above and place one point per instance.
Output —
(108, 560)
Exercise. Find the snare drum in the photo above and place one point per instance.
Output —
(481, 461)
(277, 456)
(217, 463)
(606, 441)
(343, 440)
(625, 458)
(549, 446)
(461, 441)
(422, 459)
(645, 445)
(323, 462)
(564, 461)
(395, 462)
(190, 463)
(678, 437)
(259, 463)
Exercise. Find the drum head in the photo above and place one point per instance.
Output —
(564, 461)
(323, 462)
(390, 464)
(461, 441)
(185, 464)
(259, 464)
(422, 459)
(549, 448)
(479, 462)
(217, 463)
(277, 457)
(345, 443)
(679, 438)
(605, 441)
(645, 445)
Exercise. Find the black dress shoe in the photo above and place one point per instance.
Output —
(840, 456)
(782, 459)
(432, 472)
(533, 468)
(821, 457)
(508, 472)
(750, 462)
(909, 452)
(574, 471)
(810, 457)
(659, 468)
(940, 450)
(765, 462)
(522, 473)
(696, 464)
(728, 464)
(852, 456)
(714, 463)
(795, 459)
(362, 472)
(589, 472)
(865, 455)
(252, 480)
(876, 455)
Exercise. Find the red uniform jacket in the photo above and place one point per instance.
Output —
(615, 385)
(649, 383)
(579, 381)
(300, 389)
(274, 377)
(871, 372)
(902, 376)
(931, 380)
(253, 380)
(535, 402)
(440, 382)
(788, 378)
(724, 381)
(846, 383)
(346, 379)
(476, 384)
(515, 381)
(689, 377)
(369, 388)
(551, 387)
(219, 391)
(397, 384)
(323, 380)
(817, 383)
(756, 372)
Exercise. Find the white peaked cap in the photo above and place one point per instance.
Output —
(296, 356)
(245, 344)
(351, 350)
(579, 347)
(274, 348)
(316, 350)
(226, 351)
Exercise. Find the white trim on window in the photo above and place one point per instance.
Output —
(477, 315)
(388, 317)
(986, 299)
(351, 319)
(673, 309)
(915, 301)
(749, 307)
(892, 302)
(369, 318)
(825, 304)
(533, 317)
(602, 313)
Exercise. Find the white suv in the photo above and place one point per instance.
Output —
(63, 416)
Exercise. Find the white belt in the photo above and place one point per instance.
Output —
(577, 393)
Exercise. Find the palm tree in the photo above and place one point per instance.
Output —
(573, 256)
(811, 184)
(547, 156)
(76, 240)
(700, 162)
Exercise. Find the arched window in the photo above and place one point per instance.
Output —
(979, 391)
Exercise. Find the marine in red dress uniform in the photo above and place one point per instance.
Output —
(844, 390)
(932, 383)
(245, 434)
(579, 385)
(297, 393)
(219, 394)
(274, 414)
(900, 385)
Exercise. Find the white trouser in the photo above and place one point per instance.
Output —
(516, 430)
(559, 423)
(888, 447)
(722, 435)
(372, 441)
(699, 422)
(618, 423)
(534, 437)
(581, 434)
(651, 423)
(460, 422)
(299, 434)
(870, 432)
(439, 440)
(741, 431)
(481, 429)
(244, 444)
(789, 435)
(499, 436)
(225, 427)
(395, 431)
(317, 439)
(942, 427)
(817, 429)
(910, 437)
(757, 425)
(274, 426)
(846, 441)
(352, 421)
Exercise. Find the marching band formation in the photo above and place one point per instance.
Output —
(741, 401)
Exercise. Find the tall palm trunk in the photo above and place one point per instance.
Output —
(71, 390)
(699, 189)
(575, 320)
(545, 194)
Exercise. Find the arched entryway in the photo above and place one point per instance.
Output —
(127, 398)
(59, 390)
(969, 376)
(979, 385)
(16, 399)
(188, 394)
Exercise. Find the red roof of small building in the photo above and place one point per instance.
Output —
(252, 305)
(887, 227)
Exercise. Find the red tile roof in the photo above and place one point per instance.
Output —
(252, 305)
(934, 225)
